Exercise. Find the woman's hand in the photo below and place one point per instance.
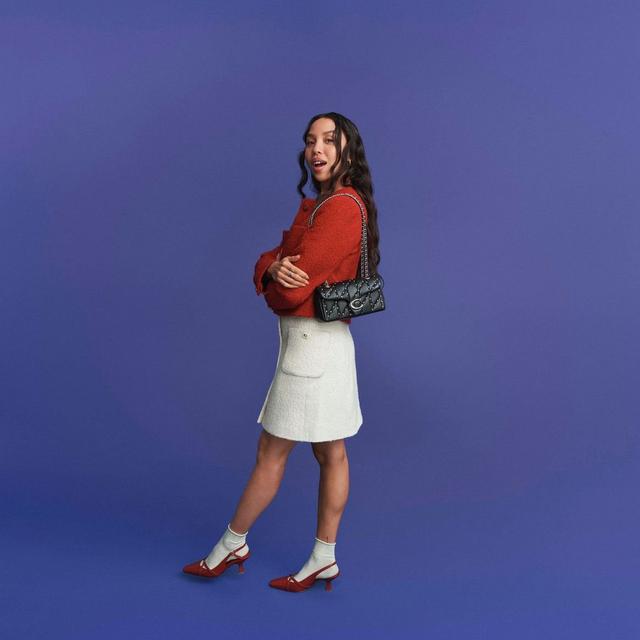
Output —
(286, 273)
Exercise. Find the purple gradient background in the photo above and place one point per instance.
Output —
(148, 155)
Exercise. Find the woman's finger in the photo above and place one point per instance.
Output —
(298, 270)
(288, 278)
(295, 272)
(288, 281)
(291, 272)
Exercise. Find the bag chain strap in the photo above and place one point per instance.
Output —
(364, 247)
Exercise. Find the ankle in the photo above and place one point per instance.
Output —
(232, 539)
(236, 531)
(325, 550)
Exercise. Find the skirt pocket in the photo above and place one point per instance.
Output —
(306, 352)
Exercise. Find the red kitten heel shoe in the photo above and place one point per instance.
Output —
(200, 567)
(289, 583)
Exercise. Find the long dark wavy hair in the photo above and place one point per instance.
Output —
(354, 173)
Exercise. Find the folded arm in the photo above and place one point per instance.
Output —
(334, 235)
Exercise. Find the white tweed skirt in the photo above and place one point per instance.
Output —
(313, 396)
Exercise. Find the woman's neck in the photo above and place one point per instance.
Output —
(324, 192)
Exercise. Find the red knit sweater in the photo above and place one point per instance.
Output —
(329, 250)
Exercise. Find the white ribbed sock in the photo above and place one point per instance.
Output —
(323, 553)
(229, 541)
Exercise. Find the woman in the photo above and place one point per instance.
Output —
(313, 396)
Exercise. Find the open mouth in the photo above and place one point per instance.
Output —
(318, 164)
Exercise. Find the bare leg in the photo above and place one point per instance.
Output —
(264, 482)
(333, 489)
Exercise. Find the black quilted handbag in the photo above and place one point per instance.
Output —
(350, 298)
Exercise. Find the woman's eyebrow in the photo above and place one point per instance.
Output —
(310, 135)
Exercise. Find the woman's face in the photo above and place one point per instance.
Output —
(320, 147)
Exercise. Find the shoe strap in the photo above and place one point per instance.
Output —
(203, 562)
(315, 573)
(233, 553)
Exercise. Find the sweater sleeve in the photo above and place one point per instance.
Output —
(260, 270)
(334, 235)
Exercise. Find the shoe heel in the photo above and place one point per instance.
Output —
(240, 562)
(327, 583)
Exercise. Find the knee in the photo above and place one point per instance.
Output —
(327, 454)
(267, 458)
